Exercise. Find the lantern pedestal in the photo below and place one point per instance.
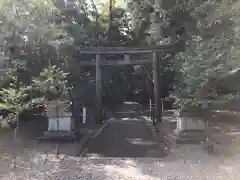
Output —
(60, 123)
(189, 130)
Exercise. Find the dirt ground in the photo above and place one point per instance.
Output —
(29, 151)
(37, 160)
(223, 130)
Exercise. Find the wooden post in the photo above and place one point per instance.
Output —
(98, 88)
(126, 57)
(84, 118)
(157, 97)
(151, 111)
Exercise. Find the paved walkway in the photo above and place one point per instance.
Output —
(125, 138)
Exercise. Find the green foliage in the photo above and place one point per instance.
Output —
(13, 98)
(15, 101)
(51, 83)
(211, 53)
(43, 32)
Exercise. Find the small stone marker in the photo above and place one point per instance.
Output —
(189, 130)
(186, 123)
(84, 115)
(60, 121)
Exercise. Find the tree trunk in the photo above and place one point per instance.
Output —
(15, 132)
(110, 20)
(57, 145)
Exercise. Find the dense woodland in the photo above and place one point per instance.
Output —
(42, 40)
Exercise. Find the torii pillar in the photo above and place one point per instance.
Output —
(157, 93)
(98, 89)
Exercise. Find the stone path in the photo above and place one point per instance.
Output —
(125, 138)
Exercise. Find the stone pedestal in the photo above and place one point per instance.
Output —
(66, 123)
(65, 130)
(189, 130)
(60, 122)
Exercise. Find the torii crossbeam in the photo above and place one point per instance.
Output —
(127, 52)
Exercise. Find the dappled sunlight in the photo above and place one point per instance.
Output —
(122, 168)
(234, 133)
(126, 112)
(130, 162)
(129, 108)
(169, 119)
(234, 129)
(227, 112)
(84, 62)
(128, 168)
(146, 118)
(129, 119)
(94, 155)
(125, 137)
(129, 171)
(132, 103)
(138, 141)
(124, 120)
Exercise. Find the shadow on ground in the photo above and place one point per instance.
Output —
(80, 168)
(135, 156)
(126, 136)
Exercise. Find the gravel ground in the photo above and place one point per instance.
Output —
(125, 150)
(125, 169)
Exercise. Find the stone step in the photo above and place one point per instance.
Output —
(58, 136)
(175, 140)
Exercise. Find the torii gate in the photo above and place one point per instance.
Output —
(127, 51)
